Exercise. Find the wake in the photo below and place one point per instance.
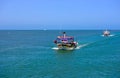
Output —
(81, 46)
(109, 35)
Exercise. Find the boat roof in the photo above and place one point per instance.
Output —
(65, 37)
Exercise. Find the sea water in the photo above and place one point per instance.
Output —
(32, 54)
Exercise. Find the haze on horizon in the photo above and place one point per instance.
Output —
(59, 14)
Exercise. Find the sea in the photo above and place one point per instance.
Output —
(33, 54)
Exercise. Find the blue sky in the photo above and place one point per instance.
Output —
(59, 14)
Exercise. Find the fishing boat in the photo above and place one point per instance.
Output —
(65, 42)
(106, 33)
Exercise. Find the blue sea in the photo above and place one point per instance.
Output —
(32, 54)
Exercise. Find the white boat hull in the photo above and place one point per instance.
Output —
(66, 46)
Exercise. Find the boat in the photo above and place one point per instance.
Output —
(106, 33)
(65, 42)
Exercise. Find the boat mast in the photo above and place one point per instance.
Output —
(64, 34)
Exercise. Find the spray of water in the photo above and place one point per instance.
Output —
(109, 35)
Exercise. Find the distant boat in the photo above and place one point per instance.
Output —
(106, 33)
(65, 42)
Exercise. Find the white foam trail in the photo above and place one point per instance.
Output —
(109, 35)
(55, 48)
(102, 35)
(80, 46)
(112, 35)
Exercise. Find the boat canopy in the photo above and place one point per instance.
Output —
(66, 39)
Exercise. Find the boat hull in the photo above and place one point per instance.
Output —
(106, 34)
(66, 46)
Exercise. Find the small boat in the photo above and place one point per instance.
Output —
(106, 33)
(65, 42)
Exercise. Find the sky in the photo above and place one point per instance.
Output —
(59, 14)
